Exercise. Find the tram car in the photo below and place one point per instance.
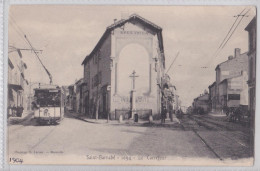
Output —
(48, 105)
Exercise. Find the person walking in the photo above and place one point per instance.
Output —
(163, 115)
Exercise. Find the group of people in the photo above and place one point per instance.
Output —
(16, 110)
(235, 113)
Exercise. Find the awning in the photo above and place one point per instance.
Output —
(15, 87)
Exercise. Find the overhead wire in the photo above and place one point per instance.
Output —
(235, 28)
(228, 36)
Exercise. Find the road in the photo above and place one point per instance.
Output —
(76, 137)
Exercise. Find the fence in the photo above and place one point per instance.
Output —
(126, 113)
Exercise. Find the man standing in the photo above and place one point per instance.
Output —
(163, 115)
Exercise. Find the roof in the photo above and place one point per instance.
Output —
(229, 60)
(213, 84)
(135, 19)
(251, 24)
(79, 81)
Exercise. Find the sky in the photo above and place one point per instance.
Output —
(68, 33)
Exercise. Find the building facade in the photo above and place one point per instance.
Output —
(17, 83)
(252, 37)
(233, 67)
(251, 28)
(129, 47)
(233, 92)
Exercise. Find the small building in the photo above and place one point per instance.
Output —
(252, 37)
(229, 69)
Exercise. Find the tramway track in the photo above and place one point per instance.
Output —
(218, 131)
(186, 126)
(218, 125)
(196, 126)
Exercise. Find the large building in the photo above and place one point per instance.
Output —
(17, 83)
(233, 67)
(251, 28)
(124, 70)
(252, 37)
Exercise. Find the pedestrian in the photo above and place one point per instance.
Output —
(163, 115)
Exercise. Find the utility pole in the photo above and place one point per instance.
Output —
(132, 109)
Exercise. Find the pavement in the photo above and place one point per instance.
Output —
(24, 117)
(168, 122)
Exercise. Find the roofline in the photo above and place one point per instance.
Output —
(121, 22)
(229, 60)
(211, 85)
(253, 21)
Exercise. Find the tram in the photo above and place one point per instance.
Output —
(48, 105)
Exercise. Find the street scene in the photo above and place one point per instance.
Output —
(129, 87)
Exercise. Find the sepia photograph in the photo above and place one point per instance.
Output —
(131, 85)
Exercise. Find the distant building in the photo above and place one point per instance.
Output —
(201, 102)
(71, 98)
(212, 97)
(233, 67)
(128, 45)
(79, 96)
(17, 84)
(251, 28)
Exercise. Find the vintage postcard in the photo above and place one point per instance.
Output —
(131, 85)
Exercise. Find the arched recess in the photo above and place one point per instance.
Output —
(132, 57)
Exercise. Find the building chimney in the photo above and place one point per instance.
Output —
(237, 52)
(230, 57)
